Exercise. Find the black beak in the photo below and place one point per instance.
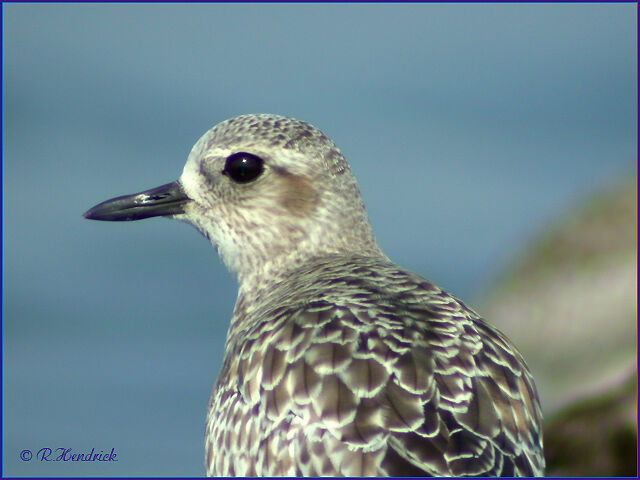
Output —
(166, 200)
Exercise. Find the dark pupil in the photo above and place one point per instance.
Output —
(243, 167)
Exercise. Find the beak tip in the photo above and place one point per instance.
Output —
(93, 213)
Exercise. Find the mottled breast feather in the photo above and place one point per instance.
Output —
(381, 373)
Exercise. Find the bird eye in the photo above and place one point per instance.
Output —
(243, 167)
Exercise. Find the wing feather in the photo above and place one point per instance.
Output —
(419, 385)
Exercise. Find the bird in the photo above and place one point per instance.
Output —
(337, 361)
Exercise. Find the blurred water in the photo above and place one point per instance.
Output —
(468, 126)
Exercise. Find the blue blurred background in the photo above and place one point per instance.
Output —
(467, 126)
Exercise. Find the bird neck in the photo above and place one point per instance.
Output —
(279, 268)
(276, 286)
